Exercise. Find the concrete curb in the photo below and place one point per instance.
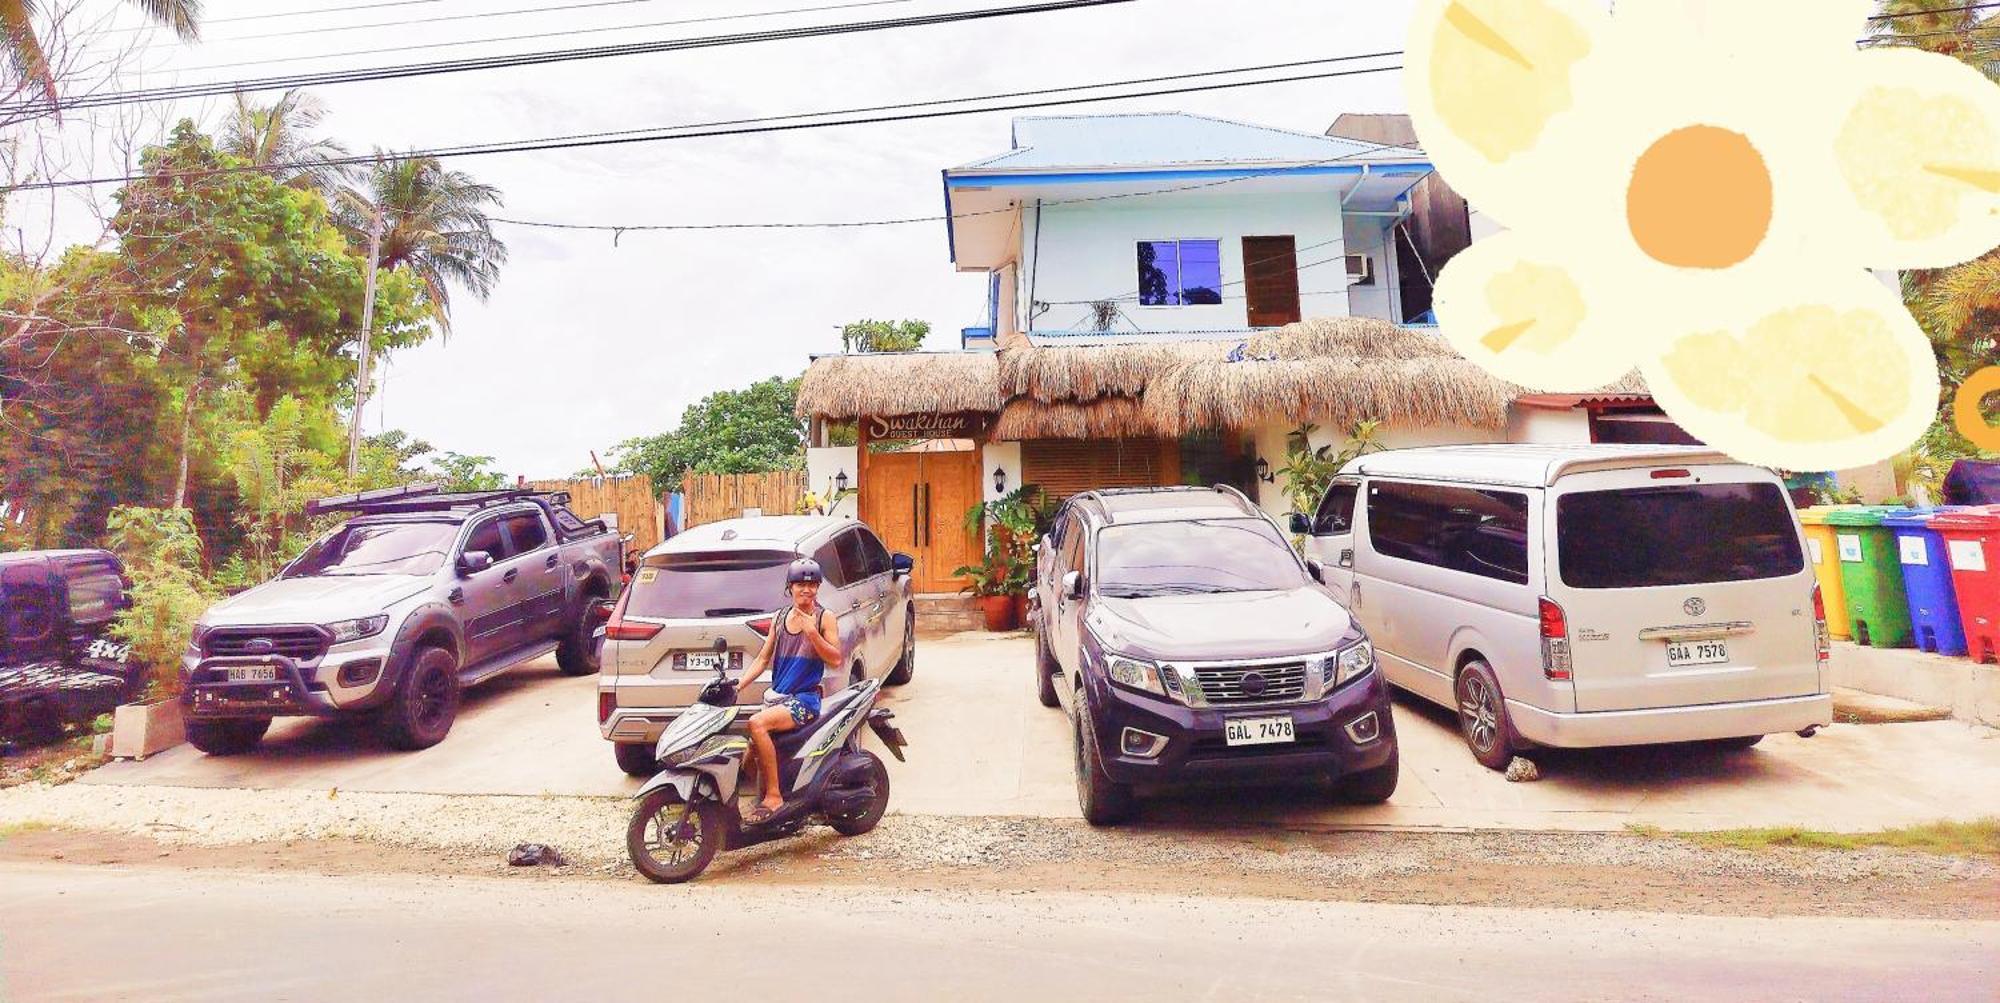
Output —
(1971, 690)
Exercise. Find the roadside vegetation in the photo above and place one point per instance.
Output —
(1980, 837)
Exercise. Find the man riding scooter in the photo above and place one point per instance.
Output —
(803, 641)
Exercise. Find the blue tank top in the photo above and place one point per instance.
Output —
(796, 668)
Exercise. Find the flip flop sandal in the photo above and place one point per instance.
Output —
(759, 815)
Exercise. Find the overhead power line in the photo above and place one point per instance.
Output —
(551, 9)
(571, 32)
(914, 111)
(327, 78)
(1937, 10)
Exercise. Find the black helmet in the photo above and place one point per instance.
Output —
(805, 569)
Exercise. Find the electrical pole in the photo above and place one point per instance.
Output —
(367, 332)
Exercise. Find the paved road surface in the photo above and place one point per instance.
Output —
(69, 933)
(981, 745)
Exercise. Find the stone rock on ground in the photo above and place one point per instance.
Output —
(1521, 770)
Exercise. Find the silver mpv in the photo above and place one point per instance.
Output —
(706, 599)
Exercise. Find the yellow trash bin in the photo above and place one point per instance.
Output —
(1824, 551)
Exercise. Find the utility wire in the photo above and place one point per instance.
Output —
(220, 88)
(704, 131)
(541, 34)
(747, 15)
(1938, 10)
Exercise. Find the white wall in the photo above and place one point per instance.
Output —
(822, 463)
(1006, 456)
(1370, 235)
(1089, 251)
(1271, 440)
(1536, 424)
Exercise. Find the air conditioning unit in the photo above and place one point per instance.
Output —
(1359, 268)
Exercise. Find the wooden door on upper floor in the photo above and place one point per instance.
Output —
(1271, 280)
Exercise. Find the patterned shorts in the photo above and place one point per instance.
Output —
(802, 715)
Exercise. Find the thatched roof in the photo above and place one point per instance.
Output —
(892, 383)
(1337, 370)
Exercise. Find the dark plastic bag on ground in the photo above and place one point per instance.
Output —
(535, 855)
(1973, 482)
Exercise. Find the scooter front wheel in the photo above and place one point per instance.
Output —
(671, 840)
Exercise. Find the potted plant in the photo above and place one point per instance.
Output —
(992, 584)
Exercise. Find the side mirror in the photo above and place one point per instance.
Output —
(600, 611)
(900, 565)
(1301, 525)
(1072, 585)
(474, 561)
(1316, 570)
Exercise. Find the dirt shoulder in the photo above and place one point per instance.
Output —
(1589, 871)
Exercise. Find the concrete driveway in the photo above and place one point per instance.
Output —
(981, 745)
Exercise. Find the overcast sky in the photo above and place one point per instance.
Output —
(583, 344)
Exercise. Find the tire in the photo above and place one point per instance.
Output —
(1103, 802)
(1045, 677)
(867, 818)
(905, 669)
(636, 758)
(710, 831)
(1482, 716)
(229, 737)
(425, 705)
(578, 653)
(1371, 786)
(1737, 744)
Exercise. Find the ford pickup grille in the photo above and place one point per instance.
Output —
(304, 644)
(1253, 683)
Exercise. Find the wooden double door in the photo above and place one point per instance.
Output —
(916, 502)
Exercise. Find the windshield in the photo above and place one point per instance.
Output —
(1689, 535)
(699, 586)
(1182, 558)
(396, 548)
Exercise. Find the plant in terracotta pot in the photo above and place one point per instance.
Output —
(992, 584)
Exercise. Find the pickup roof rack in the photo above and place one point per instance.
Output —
(426, 498)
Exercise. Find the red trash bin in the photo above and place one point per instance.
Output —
(1972, 543)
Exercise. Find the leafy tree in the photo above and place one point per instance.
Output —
(459, 472)
(1308, 470)
(884, 336)
(279, 136)
(434, 227)
(729, 432)
(1942, 26)
(162, 554)
(31, 63)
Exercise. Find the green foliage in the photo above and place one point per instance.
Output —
(746, 431)
(435, 231)
(1014, 521)
(163, 556)
(884, 336)
(1308, 470)
(458, 472)
(1001, 572)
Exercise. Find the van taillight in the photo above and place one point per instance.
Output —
(618, 630)
(1668, 473)
(762, 625)
(1822, 638)
(1555, 641)
(606, 703)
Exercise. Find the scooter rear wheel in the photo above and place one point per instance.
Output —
(866, 819)
(671, 841)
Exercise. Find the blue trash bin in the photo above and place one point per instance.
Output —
(1934, 620)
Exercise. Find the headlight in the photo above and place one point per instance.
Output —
(195, 636)
(354, 630)
(1350, 663)
(1135, 673)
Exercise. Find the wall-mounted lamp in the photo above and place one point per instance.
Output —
(840, 480)
(999, 480)
(1264, 471)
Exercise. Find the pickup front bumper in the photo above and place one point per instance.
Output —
(209, 692)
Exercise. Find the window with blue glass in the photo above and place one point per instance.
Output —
(1180, 272)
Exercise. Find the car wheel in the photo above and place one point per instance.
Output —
(422, 711)
(227, 738)
(1482, 716)
(578, 653)
(1737, 744)
(636, 758)
(906, 668)
(671, 841)
(870, 815)
(1045, 671)
(1371, 786)
(1103, 802)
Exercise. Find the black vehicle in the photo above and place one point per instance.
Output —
(1188, 641)
(58, 663)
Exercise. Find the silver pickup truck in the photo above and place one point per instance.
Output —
(419, 595)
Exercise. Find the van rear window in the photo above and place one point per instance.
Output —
(1683, 535)
(696, 586)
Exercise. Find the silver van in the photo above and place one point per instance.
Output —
(1583, 595)
(705, 600)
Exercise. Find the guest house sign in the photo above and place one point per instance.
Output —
(953, 425)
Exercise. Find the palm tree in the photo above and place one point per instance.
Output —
(434, 224)
(278, 136)
(1942, 26)
(24, 45)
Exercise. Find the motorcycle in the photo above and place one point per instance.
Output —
(687, 812)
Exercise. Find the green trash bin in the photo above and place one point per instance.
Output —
(1871, 575)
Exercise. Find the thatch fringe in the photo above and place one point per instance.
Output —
(841, 387)
(1107, 418)
(1337, 391)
